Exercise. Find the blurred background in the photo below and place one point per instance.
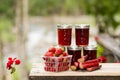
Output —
(28, 29)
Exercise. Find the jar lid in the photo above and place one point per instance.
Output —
(90, 47)
(82, 26)
(64, 26)
(74, 48)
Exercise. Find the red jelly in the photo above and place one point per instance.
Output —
(64, 35)
(82, 35)
(91, 52)
(75, 52)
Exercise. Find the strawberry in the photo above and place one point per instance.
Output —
(49, 54)
(52, 49)
(102, 59)
(60, 59)
(65, 54)
(58, 51)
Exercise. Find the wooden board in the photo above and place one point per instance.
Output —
(108, 71)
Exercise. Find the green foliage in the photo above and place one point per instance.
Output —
(5, 30)
(46, 7)
(49, 7)
(15, 75)
(7, 8)
(5, 24)
(105, 11)
(100, 50)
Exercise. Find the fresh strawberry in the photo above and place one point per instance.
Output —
(58, 51)
(60, 59)
(65, 54)
(102, 59)
(52, 49)
(49, 54)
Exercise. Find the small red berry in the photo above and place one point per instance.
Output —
(49, 54)
(58, 51)
(9, 66)
(65, 54)
(10, 59)
(102, 59)
(52, 49)
(17, 62)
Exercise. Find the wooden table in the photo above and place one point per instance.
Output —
(109, 71)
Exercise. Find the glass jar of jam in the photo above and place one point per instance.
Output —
(64, 34)
(82, 34)
(75, 52)
(91, 51)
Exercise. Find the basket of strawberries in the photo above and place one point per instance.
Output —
(56, 60)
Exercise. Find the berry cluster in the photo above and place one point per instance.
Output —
(56, 60)
(56, 52)
(11, 62)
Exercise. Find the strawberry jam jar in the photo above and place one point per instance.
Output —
(64, 34)
(91, 51)
(75, 52)
(82, 34)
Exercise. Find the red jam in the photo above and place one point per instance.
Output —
(76, 54)
(82, 35)
(92, 53)
(64, 36)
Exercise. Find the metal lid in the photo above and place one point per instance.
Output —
(90, 47)
(74, 48)
(82, 26)
(64, 26)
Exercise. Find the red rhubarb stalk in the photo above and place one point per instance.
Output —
(92, 61)
(94, 68)
(88, 64)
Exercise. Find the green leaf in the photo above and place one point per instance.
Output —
(13, 70)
